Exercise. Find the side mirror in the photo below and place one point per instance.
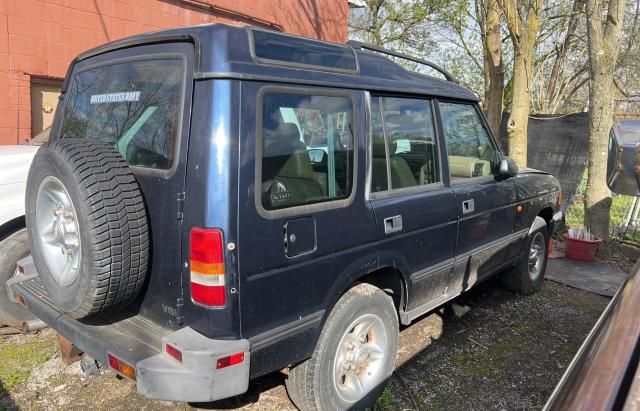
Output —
(507, 167)
(623, 163)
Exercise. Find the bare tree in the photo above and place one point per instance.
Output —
(562, 50)
(398, 24)
(603, 32)
(473, 27)
(523, 22)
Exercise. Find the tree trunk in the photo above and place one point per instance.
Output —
(519, 116)
(523, 36)
(597, 201)
(494, 78)
(604, 42)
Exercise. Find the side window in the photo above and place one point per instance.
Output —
(403, 144)
(469, 147)
(307, 149)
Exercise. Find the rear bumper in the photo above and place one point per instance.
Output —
(139, 342)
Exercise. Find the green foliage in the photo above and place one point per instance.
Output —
(385, 401)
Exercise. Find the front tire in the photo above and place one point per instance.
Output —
(527, 276)
(12, 249)
(354, 357)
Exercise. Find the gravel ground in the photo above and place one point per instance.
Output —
(507, 352)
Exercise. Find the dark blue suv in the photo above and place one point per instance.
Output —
(217, 203)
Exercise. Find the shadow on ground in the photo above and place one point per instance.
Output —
(508, 351)
(6, 402)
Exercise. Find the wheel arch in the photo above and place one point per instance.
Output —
(546, 213)
(388, 278)
(11, 226)
(391, 281)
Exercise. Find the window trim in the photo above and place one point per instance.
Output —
(297, 210)
(390, 191)
(140, 170)
(476, 109)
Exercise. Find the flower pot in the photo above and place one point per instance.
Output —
(581, 250)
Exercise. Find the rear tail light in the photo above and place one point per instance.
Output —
(121, 367)
(207, 267)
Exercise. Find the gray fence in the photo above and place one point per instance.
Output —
(557, 144)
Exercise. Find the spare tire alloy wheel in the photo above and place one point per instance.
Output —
(87, 226)
(57, 224)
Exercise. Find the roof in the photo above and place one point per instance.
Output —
(224, 51)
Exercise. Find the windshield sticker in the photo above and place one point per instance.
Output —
(115, 97)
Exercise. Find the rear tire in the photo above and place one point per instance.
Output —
(354, 357)
(12, 249)
(87, 226)
(527, 276)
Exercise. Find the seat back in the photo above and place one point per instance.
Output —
(287, 174)
(401, 174)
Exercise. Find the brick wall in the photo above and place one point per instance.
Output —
(38, 38)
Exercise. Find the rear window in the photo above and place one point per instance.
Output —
(135, 106)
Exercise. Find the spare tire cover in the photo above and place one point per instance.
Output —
(87, 226)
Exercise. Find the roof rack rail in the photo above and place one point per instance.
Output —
(359, 45)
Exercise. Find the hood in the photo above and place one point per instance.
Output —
(15, 162)
(529, 170)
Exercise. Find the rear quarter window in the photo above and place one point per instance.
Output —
(134, 105)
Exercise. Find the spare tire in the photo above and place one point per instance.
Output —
(87, 226)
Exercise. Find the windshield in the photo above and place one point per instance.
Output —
(134, 105)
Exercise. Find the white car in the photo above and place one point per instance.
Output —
(14, 244)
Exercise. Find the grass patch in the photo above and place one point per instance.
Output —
(497, 351)
(584, 303)
(479, 365)
(18, 359)
(385, 401)
(464, 358)
(574, 216)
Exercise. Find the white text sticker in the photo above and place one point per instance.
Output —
(115, 97)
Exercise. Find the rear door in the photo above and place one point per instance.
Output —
(416, 215)
(304, 228)
(139, 100)
(485, 202)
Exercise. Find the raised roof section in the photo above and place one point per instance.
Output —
(278, 48)
(223, 51)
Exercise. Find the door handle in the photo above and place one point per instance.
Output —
(393, 224)
(468, 206)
